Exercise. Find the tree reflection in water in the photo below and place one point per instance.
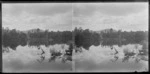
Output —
(54, 54)
(67, 56)
(42, 57)
(136, 53)
(141, 54)
(116, 57)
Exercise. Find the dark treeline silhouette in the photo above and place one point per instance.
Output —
(86, 38)
(82, 38)
(49, 38)
(13, 38)
(108, 37)
(112, 37)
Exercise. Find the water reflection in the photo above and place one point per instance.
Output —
(123, 55)
(39, 54)
(88, 54)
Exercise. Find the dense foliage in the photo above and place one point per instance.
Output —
(81, 38)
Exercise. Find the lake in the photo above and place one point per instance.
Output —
(104, 59)
(58, 58)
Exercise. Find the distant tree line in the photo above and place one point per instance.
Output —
(86, 38)
(82, 38)
(13, 38)
(123, 37)
(49, 38)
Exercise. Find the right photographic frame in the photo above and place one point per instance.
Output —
(111, 36)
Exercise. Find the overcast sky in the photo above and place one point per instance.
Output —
(24, 16)
(66, 16)
(125, 16)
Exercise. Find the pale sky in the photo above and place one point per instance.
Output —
(126, 16)
(25, 16)
(65, 16)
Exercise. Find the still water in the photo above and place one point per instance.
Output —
(53, 58)
(111, 59)
(36, 59)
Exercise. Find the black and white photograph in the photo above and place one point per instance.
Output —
(75, 37)
(112, 37)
